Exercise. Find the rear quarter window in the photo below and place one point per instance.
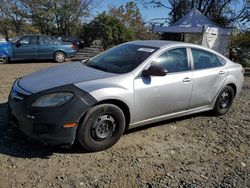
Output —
(222, 60)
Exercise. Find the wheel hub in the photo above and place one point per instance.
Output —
(103, 127)
(224, 100)
(60, 57)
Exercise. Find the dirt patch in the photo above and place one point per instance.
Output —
(194, 151)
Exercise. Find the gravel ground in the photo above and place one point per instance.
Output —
(194, 151)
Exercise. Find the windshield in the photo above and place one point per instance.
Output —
(15, 40)
(121, 59)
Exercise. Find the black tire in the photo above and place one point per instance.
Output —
(224, 101)
(59, 57)
(5, 60)
(101, 128)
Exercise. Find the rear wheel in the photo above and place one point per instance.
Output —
(59, 57)
(102, 127)
(224, 101)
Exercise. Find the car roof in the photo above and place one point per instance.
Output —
(155, 43)
(162, 43)
(168, 43)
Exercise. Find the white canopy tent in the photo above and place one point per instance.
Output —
(198, 29)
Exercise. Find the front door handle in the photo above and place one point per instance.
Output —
(186, 79)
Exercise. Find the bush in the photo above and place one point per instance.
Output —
(241, 44)
(108, 29)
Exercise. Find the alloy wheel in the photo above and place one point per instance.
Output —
(60, 57)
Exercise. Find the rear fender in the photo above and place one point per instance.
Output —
(231, 79)
(237, 81)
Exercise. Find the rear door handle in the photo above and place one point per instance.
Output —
(222, 72)
(186, 79)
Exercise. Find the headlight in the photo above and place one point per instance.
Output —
(53, 100)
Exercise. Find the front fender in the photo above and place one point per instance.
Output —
(3, 53)
(102, 92)
(6, 50)
(113, 93)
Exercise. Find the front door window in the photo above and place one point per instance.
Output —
(173, 60)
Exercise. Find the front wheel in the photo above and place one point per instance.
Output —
(5, 60)
(102, 127)
(59, 57)
(224, 101)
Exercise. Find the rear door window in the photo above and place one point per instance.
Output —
(203, 59)
(45, 40)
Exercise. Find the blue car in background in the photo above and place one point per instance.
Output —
(36, 47)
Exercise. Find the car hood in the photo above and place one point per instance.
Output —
(65, 74)
(4, 44)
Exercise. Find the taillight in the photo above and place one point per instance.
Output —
(73, 45)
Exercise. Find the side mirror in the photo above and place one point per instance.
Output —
(18, 44)
(154, 70)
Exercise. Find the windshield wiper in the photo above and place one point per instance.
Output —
(85, 61)
(96, 67)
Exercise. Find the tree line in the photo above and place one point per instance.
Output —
(43, 16)
(72, 17)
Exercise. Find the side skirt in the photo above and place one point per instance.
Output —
(170, 116)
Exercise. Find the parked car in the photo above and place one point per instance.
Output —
(74, 40)
(32, 47)
(130, 85)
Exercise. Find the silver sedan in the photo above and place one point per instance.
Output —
(127, 86)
